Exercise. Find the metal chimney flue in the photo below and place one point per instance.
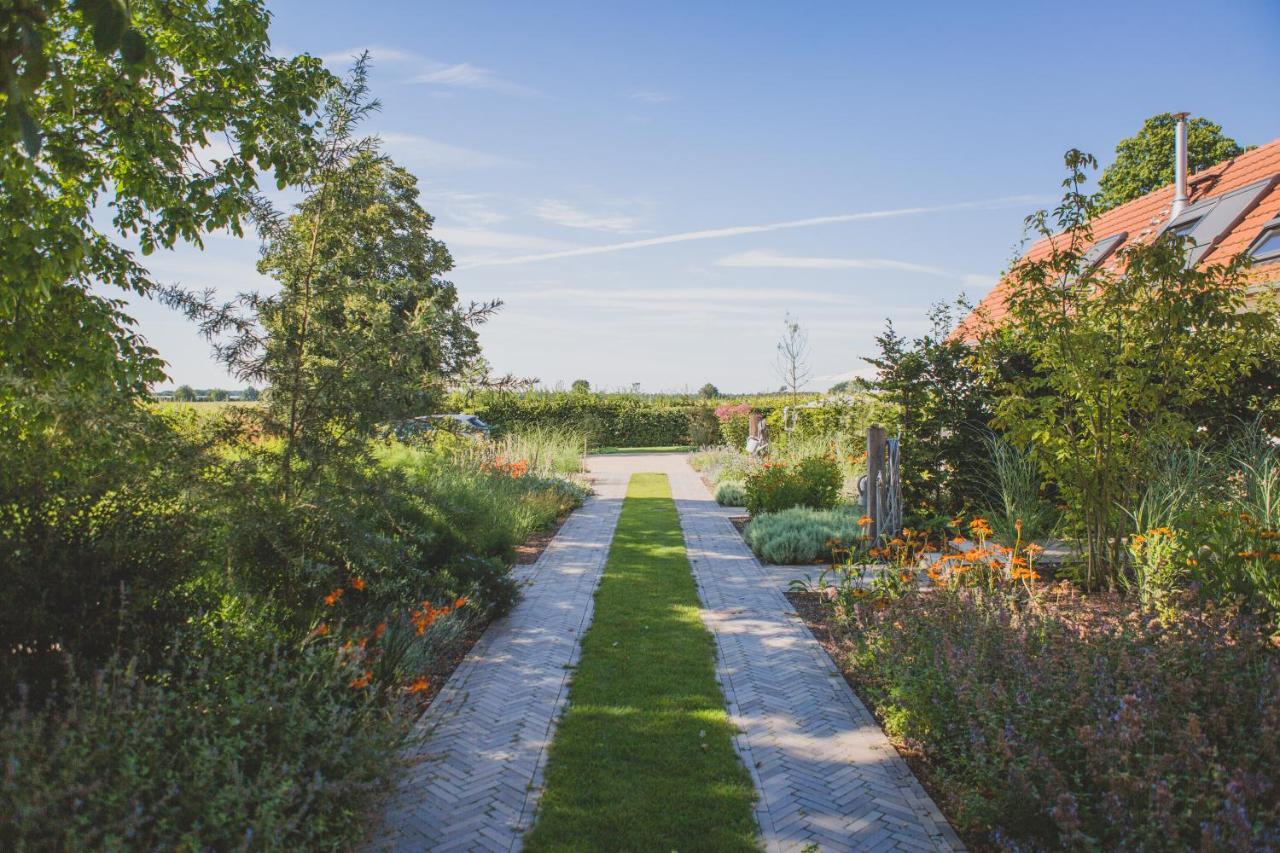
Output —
(1179, 165)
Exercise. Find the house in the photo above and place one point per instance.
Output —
(1228, 208)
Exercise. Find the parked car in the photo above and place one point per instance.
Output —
(458, 422)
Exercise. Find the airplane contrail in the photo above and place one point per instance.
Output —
(738, 230)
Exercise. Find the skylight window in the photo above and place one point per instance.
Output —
(1267, 246)
(1207, 222)
(1185, 228)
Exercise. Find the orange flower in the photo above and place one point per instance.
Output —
(461, 602)
(421, 685)
(865, 520)
(357, 583)
(380, 630)
(362, 681)
(332, 598)
(320, 630)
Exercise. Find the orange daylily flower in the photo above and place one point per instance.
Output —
(362, 681)
(332, 598)
(357, 583)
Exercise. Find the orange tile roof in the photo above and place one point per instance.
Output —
(1143, 217)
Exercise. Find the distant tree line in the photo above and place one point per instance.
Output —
(187, 394)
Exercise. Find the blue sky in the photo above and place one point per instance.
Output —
(650, 188)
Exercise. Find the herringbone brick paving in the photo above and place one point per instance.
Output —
(827, 776)
(826, 773)
(475, 767)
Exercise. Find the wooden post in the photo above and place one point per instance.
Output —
(876, 437)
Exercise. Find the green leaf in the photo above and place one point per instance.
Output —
(37, 64)
(109, 25)
(31, 139)
(133, 47)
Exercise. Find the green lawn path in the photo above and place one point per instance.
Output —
(644, 759)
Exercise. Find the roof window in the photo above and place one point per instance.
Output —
(1267, 246)
(1207, 222)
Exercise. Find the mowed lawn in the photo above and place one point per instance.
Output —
(644, 759)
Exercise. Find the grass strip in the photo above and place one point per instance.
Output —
(643, 758)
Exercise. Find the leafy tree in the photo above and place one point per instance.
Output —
(184, 394)
(793, 357)
(250, 394)
(1116, 363)
(364, 329)
(581, 386)
(943, 408)
(117, 108)
(1144, 162)
(708, 392)
(217, 395)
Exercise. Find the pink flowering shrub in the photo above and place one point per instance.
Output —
(1069, 725)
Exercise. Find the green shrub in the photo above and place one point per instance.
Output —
(1061, 727)
(731, 493)
(547, 450)
(735, 429)
(704, 427)
(813, 482)
(606, 420)
(231, 744)
(801, 535)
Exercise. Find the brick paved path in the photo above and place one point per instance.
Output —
(475, 774)
(826, 774)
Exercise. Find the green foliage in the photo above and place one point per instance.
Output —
(801, 535)
(363, 329)
(731, 493)
(1115, 363)
(704, 427)
(608, 420)
(1062, 727)
(811, 482)
(708, 392)
(943, 405)
(723, 463)
(735, 429)
(184, 394)
(1144, 162)
(581, 386)
(1016, 502)
(1210, 519)
(546, 451)
(131, 125)
(231, 742)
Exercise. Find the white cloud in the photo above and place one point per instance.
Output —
(469, 76)
(740, 230)
(472, 210)
(563, 213)
(765, 259)
(484, 238)
(432, 72)
(727, 295)
(430, 152)
(649, 96)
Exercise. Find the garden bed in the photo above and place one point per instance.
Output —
(1079, 722)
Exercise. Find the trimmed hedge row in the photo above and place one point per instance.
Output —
(633, 420)
(607, 421)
